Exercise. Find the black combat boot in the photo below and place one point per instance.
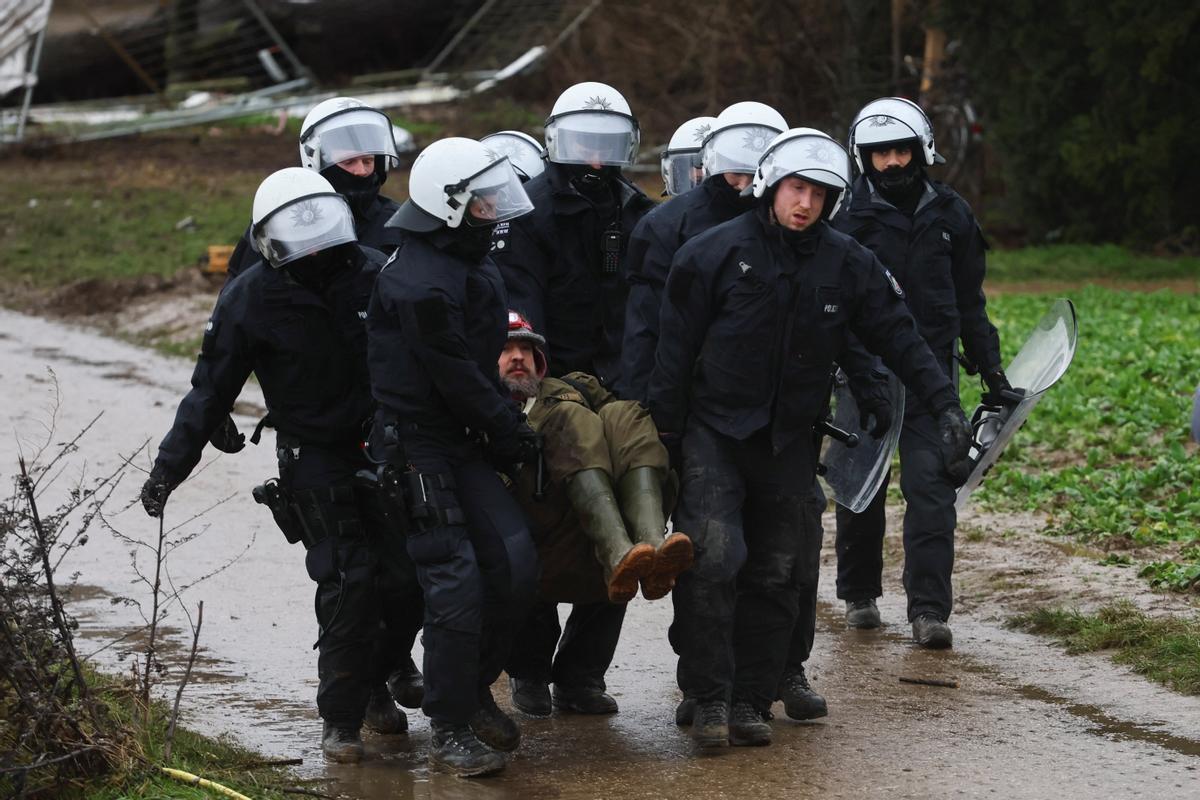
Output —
(710, 724)
(456, 748)
(799, 700)
(685, 711)
(493, 727)
(748, 726)
(863, 614)
(932, 633)
(584, 699)
(530, 697)
(382, 715)
(341, 743)
(407, 685)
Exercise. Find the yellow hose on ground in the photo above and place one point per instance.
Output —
(196, 780)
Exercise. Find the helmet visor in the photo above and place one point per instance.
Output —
(362, 132)
(814, 158)
(736, 149)
(682, 171)
(592, 137)
(496, 195)
(305, 226)
(525, 157)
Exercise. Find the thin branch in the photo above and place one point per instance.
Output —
(187, 674)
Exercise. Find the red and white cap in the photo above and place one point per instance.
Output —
(520, 330)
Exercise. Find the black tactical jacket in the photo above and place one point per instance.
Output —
(938, 256)
(554, 268)
(371, 230)
(307, 350)
(651, 247)
(436, 325)
(751, 325)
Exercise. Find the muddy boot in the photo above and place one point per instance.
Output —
(382, 715)
(685, 711)
(710, 724)
(584, 700)
(457, 749)
(799, 700)
(407, 685)
(640, 492)
(530, 697)
(493, 727)
(748, 726)
(341, 744)
(862, 614)
(932, 633)
(625, 564)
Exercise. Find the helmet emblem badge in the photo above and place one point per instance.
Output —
(305, 214)
(597, 103)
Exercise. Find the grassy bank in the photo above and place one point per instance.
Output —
(1166, 650)
(1082, 263)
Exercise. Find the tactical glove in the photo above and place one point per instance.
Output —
(875, 416)
(155, 491)
(227, 438)
(521, 446)
(956, 443)
(1000, 392)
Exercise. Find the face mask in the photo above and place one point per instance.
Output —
(360, 191)
(589, 180)
(469, 242)
(317, 271)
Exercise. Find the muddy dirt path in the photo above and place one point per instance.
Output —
(1025, 722)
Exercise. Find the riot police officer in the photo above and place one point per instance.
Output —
(525, 153)
(352, 146)
(927, 236)
(680, 163)
(562, 267)
(295, 319)
(755, 311)
(436, 325)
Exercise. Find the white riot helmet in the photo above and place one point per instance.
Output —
(452, 176)
(682, 168)
(342, 128)
(592, 124)
(889, 120)
(524, 152)
(403, 139)
(809, 154)
(740, 136)
(297, 213)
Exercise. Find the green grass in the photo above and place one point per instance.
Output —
(1083, 263)
(1166, 650)
(1106, 452)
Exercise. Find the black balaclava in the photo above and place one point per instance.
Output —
(900, 186)
(317, 271)
(360, 191)
(471, 243)
(591, 182)
(727, 198)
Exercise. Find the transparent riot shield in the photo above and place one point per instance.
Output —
(1043, 359)
(854, 474)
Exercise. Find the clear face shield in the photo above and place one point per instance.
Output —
(597, 138)
(682, 170)
(304, 226)
(352, 134)
(494, 195)
(736, 149)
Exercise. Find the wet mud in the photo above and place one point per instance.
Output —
(1026, 721)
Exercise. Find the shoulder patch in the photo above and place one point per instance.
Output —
(891, 279)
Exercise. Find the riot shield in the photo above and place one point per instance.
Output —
(1043, 359)
(854, 474)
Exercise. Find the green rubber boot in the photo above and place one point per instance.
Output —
(640, 490)
(625, 564)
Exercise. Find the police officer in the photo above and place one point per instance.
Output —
(562, 267)
(437, 323)
(927, 236)
(352, 146)
(525, 153)
(680, 163)
(730, 152)
(754, 313)
(294, 319)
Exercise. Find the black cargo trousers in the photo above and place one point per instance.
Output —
(363, 575)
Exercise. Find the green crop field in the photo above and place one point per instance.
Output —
(1107, 452)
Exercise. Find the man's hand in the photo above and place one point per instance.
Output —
(1000, 392)
(156, 490)
(674, 444)
(227, 438)
(875, 416)
(519, 447)
(956, 443)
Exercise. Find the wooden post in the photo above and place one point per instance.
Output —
(931, 64)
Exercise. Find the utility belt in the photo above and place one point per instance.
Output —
(304, 515)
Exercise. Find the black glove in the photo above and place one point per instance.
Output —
(521, 446)
(674, 444)
(956, 443)
(880, 411)
(227, 438)
(156, 490)
(1000, 392)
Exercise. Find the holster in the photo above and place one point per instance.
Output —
(287, 513)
